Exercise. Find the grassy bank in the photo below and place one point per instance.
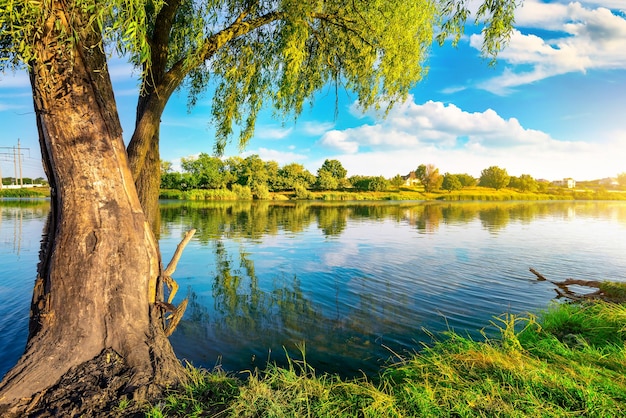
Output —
(25, 193)
(402, 193)
(568, 361)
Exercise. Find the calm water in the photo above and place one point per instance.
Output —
(356, 283)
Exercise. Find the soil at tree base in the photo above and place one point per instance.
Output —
(96, 388)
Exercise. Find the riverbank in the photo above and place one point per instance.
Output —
(25, 193)
(402, 193)
(567, 361)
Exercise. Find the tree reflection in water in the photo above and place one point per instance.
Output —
(356, 315)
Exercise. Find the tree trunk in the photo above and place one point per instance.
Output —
(148, 185)
(96, 284)
(143, 149)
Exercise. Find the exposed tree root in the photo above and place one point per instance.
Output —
(101, 387)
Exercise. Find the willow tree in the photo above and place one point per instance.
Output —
(279, 53)
(96, 296)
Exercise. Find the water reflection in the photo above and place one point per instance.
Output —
(355, 281)
(256, 219)
(245, 323)
(21, 226)
(360, 281)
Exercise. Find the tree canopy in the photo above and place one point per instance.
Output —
(100, 263)
(429, 176)
(494, 177)
(265, 52)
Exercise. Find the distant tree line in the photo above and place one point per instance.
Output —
(262, 177)
(7, 181)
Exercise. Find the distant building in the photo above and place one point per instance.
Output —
(570, 183)
(609, 181)
(410, 179)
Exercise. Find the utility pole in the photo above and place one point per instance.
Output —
(5, 154)
(14, 166)
(19, 159)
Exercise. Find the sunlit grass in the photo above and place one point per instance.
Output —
(402, 193)
(25, 193)
(567, 361)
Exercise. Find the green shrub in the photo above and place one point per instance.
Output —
(242, 192)
(212, 194)
(261, 192)
(171, 194)
(301, 193)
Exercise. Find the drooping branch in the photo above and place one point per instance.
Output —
(155, 102)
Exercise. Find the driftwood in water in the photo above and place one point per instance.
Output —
(563, 288)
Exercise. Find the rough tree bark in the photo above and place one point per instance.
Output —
(95, 290)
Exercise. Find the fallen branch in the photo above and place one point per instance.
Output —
(540, 277)
(563, 290)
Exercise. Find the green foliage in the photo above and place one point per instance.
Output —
(567, 362)
(429, 176)
(292, 176)
(207, 171)
(369, 183)
(213, 194)
(524, 183)
(171, 180)
(123, 23)
(301, 193)
(494, 177)
(466, 180)
(170, 194)
(22, 193)
(242, 192)
(257, 54)
(326, 181)
(334, 168)
(166, 166)
(451, 182)
(396, 181)
(261, 192)
(252, 172)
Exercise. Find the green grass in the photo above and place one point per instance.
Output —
(24, 193)
(568, 361)
(403, 193)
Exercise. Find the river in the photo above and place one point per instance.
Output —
(356, 284)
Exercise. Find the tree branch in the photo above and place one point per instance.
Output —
(155, 102)
(171, 267)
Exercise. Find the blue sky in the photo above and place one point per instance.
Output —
(554, 106)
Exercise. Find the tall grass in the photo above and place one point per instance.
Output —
(569, 361)
(23, 193)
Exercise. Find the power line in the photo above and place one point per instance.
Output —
(18, 157)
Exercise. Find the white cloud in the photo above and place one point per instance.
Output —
(581, 39)
(341, 140)
(272, 132)
(460, 141)
(315, 128)
(280, 157)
